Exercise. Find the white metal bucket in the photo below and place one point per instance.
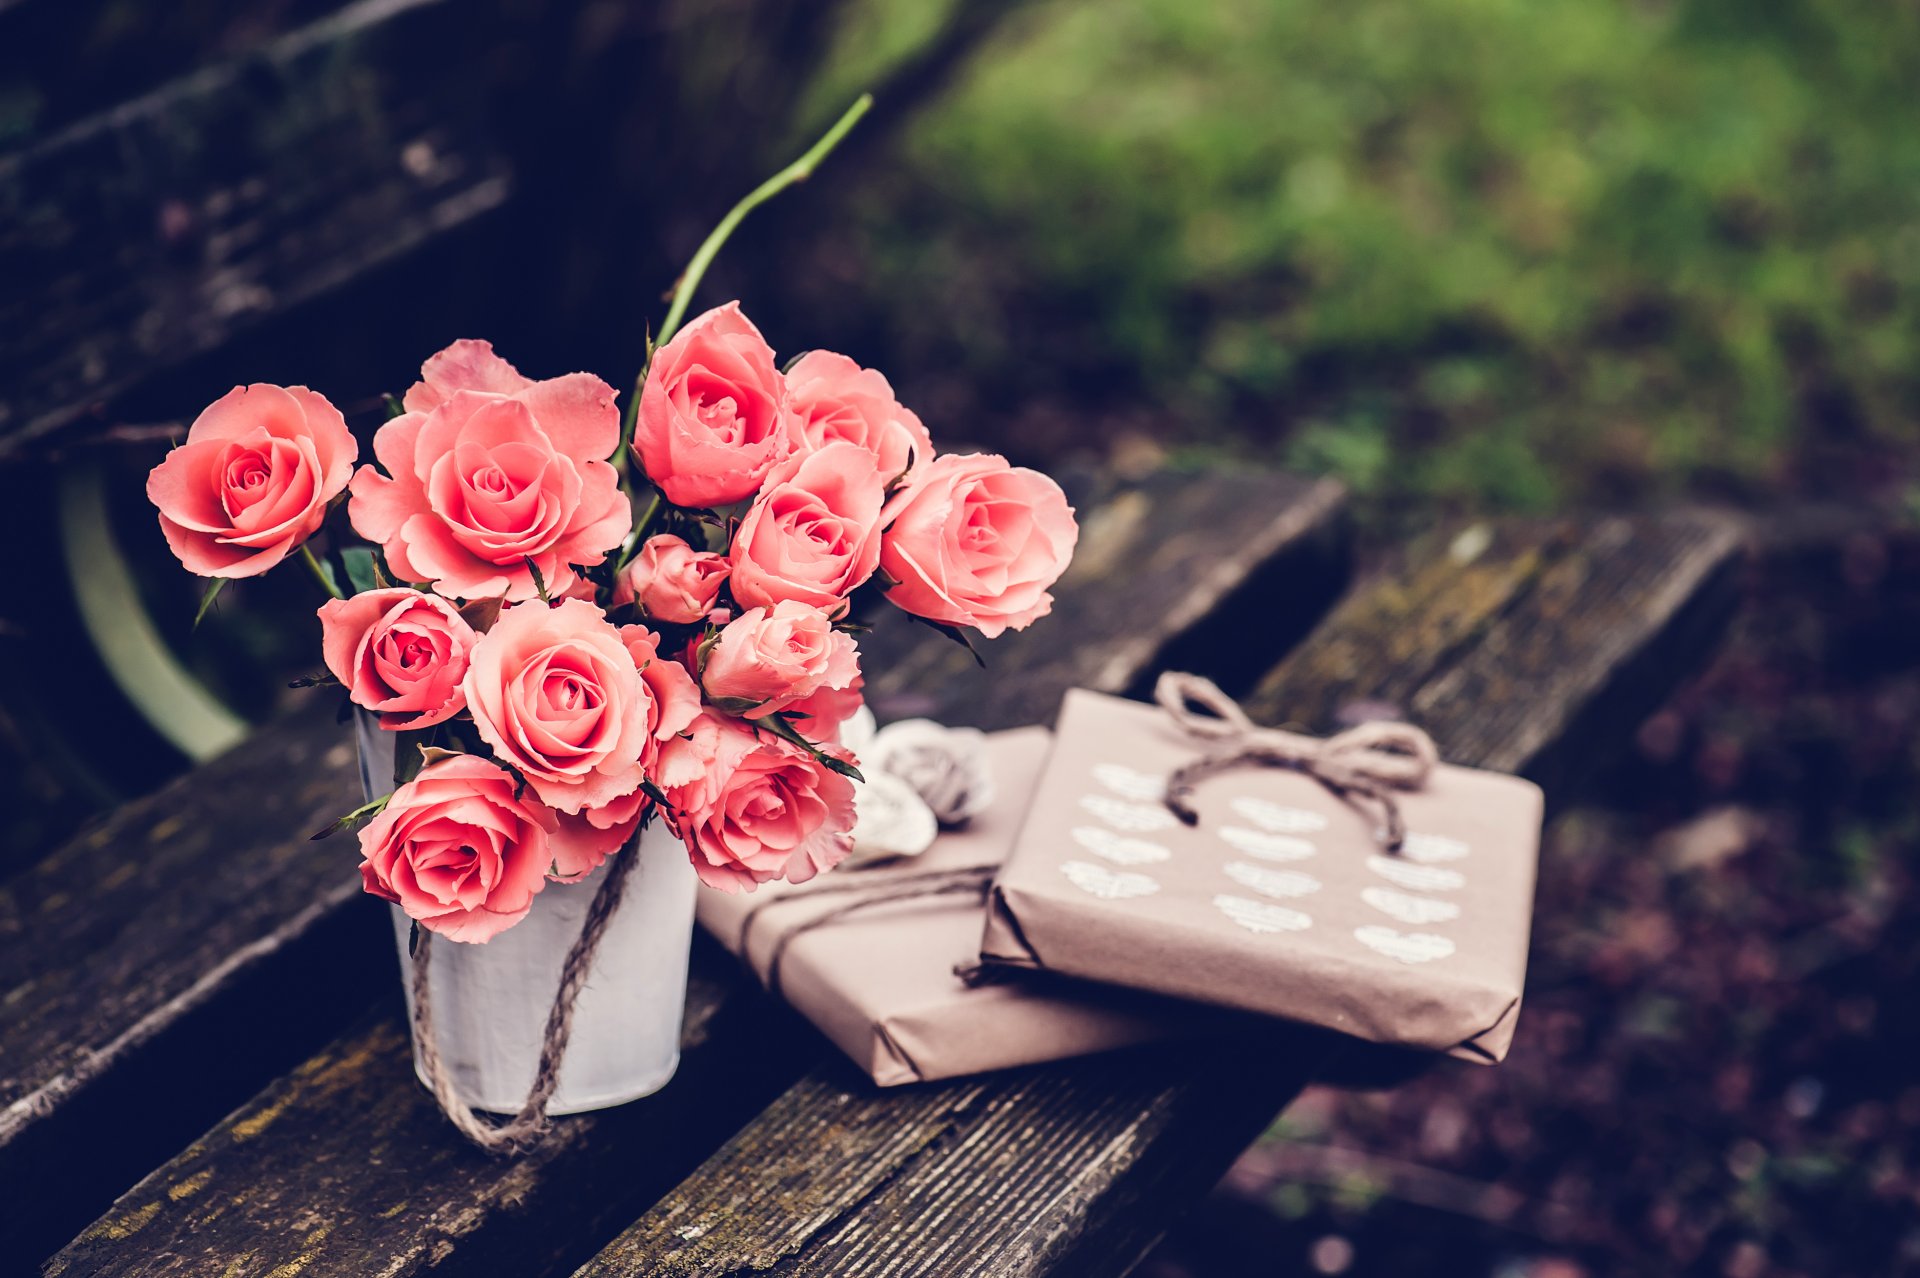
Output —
(491, 1001)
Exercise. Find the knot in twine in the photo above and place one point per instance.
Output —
(1369, 762)
(531, 1122)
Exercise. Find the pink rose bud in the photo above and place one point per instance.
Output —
(253, 479)
(751, 808)
(557, 694)
(713, 414)
(671, 581)
(399, 653)
(835, 400)
(813, 533)
(769, 658)
(457, 851)
(487, 471)
(975, 542)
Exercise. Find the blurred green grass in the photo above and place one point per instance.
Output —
(1501, 252)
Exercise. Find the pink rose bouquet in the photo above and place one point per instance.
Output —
(580, 614)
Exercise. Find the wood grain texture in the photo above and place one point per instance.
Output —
(423, 1200)
(190, 948)
(1504, 641)
(156, 230)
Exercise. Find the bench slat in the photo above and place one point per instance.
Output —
(428, 1193)
(158, 229)
(1502, 644)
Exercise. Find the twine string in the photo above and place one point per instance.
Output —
(1367, 763)
(868, 892)
(531, 1122)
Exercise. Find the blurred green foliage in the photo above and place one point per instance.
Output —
(1514, 252)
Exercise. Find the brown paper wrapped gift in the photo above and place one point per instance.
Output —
(1281, 898)
(879, 982)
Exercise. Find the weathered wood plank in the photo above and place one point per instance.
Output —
(429, 1202)
(1503, 644)
(173, 959)
(158, 229)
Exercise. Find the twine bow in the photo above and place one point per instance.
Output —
(1369, 762)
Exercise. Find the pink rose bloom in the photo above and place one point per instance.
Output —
(834, 399)
(583, 841)
(671, 581)
(399, 653)
(253, 479)
(486, 471)
(556, 693)
(456, 850)
(820, 716)
(752, 808)
(813, 534)
(713, 414)
(769, 658)
(975, 542)
(673, 698)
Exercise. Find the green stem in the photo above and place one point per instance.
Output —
(319, 574)
(639, 537)
(799, 171)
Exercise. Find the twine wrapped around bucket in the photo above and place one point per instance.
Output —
(527, 1125)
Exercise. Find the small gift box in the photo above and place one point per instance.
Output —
(868, 953)
(1286, 895)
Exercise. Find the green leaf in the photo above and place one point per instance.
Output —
(353, 818)
(363, 570)
(701, 652)
(394, 407)
(893, 485)
(482, 613)
(430, 755)
(841, 766)
(413, 939)
(214, 588)
(954, 633)
(735, 705)
(654, 792)
(321, 680)
(788, 366)
(539, 579)
(781, 726)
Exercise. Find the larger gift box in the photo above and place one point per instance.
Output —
(879, 980)
(1281, 899)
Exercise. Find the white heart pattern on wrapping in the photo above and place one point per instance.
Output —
(1108, 885)
(1416, 878)
(1268, 847)
(1408, 947)
(1430, 849)
(1409, 909)
(1260, 916)
(1147, 787)
(1267, 882)
(1122, 815)
(1279, 818)
(1118, 848)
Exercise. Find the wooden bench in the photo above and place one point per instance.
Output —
(203, 1064)
(1530, 647)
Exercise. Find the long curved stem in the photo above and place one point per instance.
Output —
(799, 171)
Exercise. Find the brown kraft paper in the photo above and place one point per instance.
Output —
(880, 983)
(1280, 900)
